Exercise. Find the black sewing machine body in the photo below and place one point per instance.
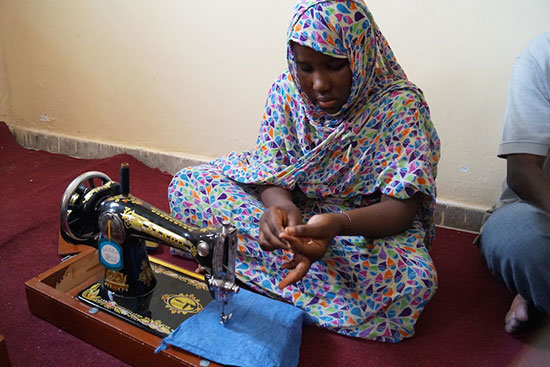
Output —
(100, 212)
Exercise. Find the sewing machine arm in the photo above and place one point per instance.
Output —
(94, 208)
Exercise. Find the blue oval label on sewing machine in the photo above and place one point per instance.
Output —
(110, 254)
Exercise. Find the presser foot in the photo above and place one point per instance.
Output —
(223, 316)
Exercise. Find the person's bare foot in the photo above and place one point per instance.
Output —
(518, 315)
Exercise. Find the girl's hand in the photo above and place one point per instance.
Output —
(309, 242)
(273, 222)
(299, 266)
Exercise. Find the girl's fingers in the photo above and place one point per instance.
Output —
(290, 265)
(269, 242)
(314, 249)
(300, 269)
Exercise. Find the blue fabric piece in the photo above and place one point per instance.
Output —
(261, 332)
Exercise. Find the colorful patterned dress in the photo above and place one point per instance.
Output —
(382, 141)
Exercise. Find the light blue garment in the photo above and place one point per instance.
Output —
(261, 332)
(516, 244)
(527, 119)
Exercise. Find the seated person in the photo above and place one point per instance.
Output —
(334, 206)
(515, 240)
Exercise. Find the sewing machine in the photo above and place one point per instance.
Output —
(100, 212)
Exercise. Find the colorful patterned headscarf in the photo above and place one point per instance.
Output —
(381, 140)
(345, 29)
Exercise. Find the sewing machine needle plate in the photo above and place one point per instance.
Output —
(178, 295)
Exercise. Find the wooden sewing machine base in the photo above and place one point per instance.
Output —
(52, 297)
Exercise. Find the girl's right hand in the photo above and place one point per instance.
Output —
(273, 222)
(308, 243)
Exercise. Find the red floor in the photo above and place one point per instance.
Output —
(461, 326)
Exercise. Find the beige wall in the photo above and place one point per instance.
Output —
(191, 76)
(4, 88)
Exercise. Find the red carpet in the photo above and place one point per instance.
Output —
(461, 326)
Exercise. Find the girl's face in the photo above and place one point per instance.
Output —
(326, 80)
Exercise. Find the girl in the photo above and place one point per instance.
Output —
(334, 205)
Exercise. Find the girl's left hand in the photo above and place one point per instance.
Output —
(299, 266)
(309, 242)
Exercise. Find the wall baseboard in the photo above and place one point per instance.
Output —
(455, 216)
(81, 148)
(449, 215)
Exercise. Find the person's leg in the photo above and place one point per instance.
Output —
(516, 244)
(373, 289)
(202, 196)
(392, 278)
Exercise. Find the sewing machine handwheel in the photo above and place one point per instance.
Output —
(73, 222)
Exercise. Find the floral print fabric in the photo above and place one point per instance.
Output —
(382, 141)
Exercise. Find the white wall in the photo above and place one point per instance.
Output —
(192, 76)
(461, 54)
